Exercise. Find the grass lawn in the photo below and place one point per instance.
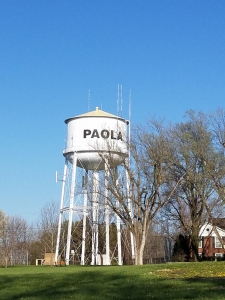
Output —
(205, 280)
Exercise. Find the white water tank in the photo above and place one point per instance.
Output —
(93, 133)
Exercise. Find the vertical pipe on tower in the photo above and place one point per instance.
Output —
(130, 209)
(72, 193)
(118, 226)
(95, 217)
(84, 219)
(131, 214)
(61, 209)
(107, 214)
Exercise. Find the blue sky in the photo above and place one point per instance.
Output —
(169, 53)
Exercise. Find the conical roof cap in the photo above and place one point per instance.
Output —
(98, 113)
(95, 113)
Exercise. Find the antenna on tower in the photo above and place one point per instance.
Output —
(57, 177)
(129, 123)
(118, 99)
(121, 101)
(129, 105)
(89, 99)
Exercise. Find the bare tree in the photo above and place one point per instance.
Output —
(47, 227)
(23, 236)
(136, 191)
(14, 236)
(195, 159)
(216, 122)
(216, 167)
(6, 244)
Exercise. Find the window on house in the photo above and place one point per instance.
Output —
(217, 243)
(219, 254)
(200, 243)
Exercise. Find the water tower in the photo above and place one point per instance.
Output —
(89, 137)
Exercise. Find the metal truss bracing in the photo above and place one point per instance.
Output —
(89, 232)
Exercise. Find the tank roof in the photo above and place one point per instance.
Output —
(96, 113)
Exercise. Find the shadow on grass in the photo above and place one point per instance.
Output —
(99, 284)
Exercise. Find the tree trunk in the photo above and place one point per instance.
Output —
(139, 250)
(194, 243)
(138, 257)
(6, 262)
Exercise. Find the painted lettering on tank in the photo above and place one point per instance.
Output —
(86, 132)
(95, 134)
(105, 134)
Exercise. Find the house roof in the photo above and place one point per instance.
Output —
(219, 222)
(207, 229)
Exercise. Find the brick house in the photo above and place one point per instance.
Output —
(209, 244)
